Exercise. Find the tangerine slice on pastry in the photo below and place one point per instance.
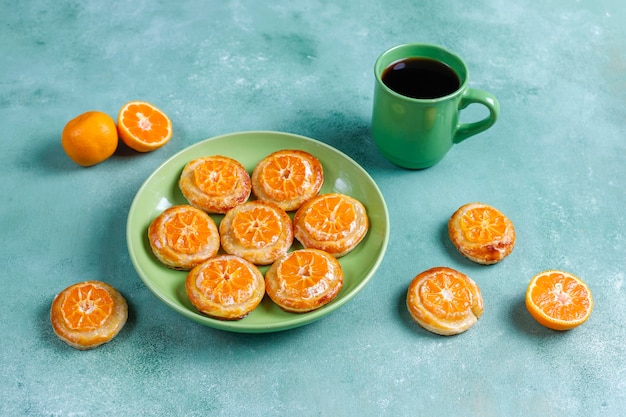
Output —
(444, 301)
(335, 223)
(287, 178)
(258, 231)
(304, 280)
(226, 287)
(481, 233)
(88, 314)
(215, 184)
(182, 237)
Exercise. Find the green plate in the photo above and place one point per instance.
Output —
(341, 174)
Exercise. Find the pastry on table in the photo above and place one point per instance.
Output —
(287, 178)
(335, 223)
(88, 314)
(226, 287)
(481, 233)
(444, 301)
(183, 236)
(215, 184)
(304, 280)
(258, 231)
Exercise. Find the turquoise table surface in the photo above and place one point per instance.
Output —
(554, 163)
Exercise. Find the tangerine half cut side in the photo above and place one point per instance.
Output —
(558, 300)
(143, 127)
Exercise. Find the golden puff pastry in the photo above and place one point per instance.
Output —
(226, 287)
(481, 233)
(335, 223)
(215, 184)
(287, 178)
(304, 280)
(183, 236)
(258, 231)
(444, 301)
(88, 314)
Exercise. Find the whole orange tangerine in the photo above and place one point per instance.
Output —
(90, 138)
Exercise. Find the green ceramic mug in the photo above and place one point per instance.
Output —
(417, 133)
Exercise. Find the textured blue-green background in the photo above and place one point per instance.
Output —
(554, 163)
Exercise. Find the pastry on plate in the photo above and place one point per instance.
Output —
(88, 314)
(287, 178)
(335, 223)
(226, 287)
(304, 280)
(215, 184)
(481, 233)
(444, 301)
(183, 236)
(258, 231)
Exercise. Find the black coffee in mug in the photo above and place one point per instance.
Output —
(421, 78)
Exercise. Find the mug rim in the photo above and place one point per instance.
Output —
(380, 66)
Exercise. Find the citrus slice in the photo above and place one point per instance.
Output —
(258, 231)
(215, 184)
(304, 280)
(183, 236)
(225, 287)
(143, 127)
(481, 233)
(558, 300)
(335, 223)
(287, 178)
(444, 301)
(88, 314)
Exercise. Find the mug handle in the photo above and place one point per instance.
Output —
(471, 95)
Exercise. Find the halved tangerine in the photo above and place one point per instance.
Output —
(88, 314)
(226, 287)
(183, 236)
(335, 223)
(481, 233)
(304, 280)
(258, 231)
(143, 127)
(215, 184)
(444, 301)
(559, 300)
(287, 178)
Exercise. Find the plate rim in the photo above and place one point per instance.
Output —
(299, 319)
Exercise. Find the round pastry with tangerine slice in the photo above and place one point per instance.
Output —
(215, 184)
(87, 314)
(183, 236)
(258, 231)
(481, 233)
(335, 223)
(304, 280)
(287, 178)
(226, 287)
(444, 301)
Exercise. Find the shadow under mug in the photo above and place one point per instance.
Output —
(417, 133)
